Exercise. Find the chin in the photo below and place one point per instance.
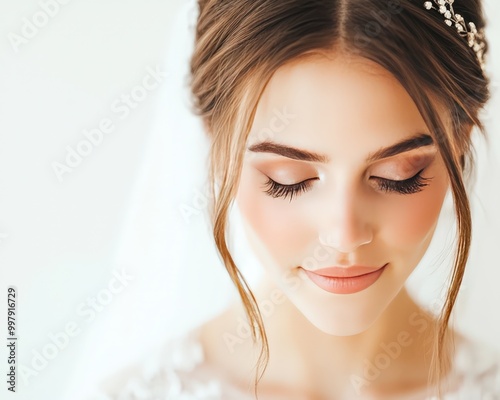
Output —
(340, 323)
(342, 315)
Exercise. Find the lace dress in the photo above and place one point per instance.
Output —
(178, 372)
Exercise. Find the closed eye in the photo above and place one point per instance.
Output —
(275, 189)
(411, 185)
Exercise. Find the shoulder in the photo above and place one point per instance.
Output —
(174, 370)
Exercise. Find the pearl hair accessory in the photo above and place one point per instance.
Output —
(475, 38)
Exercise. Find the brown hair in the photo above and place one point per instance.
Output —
(239, 44)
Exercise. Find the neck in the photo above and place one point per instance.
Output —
(391, 356)
(389, 351)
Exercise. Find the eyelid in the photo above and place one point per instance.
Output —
(415, 163)
(395, 180)
(292, 184)
(398, 180)
(288, 170)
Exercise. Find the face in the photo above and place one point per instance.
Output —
(323, 190)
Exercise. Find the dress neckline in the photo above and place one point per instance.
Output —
(472, 362)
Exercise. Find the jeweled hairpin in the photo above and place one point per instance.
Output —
(475, 38)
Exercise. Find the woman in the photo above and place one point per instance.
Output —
(337, 128)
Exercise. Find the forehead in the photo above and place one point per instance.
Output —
(341, 101)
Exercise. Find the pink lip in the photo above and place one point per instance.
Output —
(345, 280)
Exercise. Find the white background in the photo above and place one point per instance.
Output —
(119, 209)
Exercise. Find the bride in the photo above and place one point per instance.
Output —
(336, 129)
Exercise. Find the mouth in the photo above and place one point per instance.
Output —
(345, 280)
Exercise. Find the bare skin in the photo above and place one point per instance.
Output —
(371, 344)
(305, 363)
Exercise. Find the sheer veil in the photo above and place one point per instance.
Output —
(165, 245)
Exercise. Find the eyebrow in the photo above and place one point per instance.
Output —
(415, 142)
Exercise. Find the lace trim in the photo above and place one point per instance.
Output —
(177, 372)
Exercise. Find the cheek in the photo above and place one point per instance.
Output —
(410, 223)
(278, 224)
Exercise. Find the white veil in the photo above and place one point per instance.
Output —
(177, 279)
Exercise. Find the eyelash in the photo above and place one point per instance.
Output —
(276, 189)
(411, 185)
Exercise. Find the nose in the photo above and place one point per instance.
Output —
(347, 224)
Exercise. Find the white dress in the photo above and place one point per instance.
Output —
(178, 372)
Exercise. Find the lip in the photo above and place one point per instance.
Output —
(345, 280)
